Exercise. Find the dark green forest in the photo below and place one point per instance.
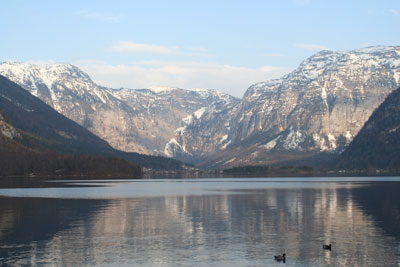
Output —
(268, 171)
(18, 160)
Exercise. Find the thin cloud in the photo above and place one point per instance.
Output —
(99, 16)
(233, 80)
(311, 47)
(198, 52)
(198, 49)
(273, 55)
(132, 47)
(394, 11)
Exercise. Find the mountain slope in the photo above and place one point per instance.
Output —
(21, 160)
(57, 133)
(24, 154)
(142, 120)
(377, 145)
(319, 107)
(45, 130)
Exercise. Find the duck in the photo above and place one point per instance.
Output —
(329, 247)
(280, 257)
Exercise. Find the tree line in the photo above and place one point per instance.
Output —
(16, 159)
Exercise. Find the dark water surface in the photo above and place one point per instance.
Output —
(202, 222)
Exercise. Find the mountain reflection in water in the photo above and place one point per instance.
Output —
(224, 228)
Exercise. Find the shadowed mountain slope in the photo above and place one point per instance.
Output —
(34, 125)
(377, 145)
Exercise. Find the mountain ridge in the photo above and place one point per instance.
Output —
(318, 107)
(35, 140)
(139, 120)
(46, 130)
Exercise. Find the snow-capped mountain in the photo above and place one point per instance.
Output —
(139, 120)
(318, 107)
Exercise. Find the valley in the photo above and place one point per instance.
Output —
(306, 118)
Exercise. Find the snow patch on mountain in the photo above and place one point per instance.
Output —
(198, 113)
(161, 89)
(172, 147)
(271, 144)
(293, 139)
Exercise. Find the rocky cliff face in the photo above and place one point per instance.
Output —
(142, 121)
(318, 107)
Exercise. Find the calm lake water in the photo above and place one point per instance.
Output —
(202, 222)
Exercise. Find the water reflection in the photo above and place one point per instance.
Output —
(223, 229)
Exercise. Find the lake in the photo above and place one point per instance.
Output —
(201, 222)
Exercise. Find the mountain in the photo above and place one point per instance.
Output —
(31, 125)
(305, 117)
(377, 146)
(47, 133)
(317, 108)
(56, 132)
(141, 120)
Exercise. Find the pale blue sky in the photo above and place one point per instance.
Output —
(223, 45)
